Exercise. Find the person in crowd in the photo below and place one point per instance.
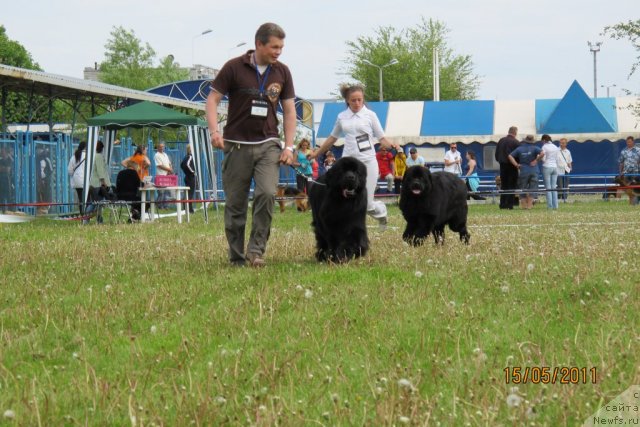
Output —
(255, 83)
(6, 178)
(629, 161)
(188, 168)
(565, 164)
(414, 159)
(508, 172)
(471, 177)
(329, 160)
(453, 159)
(315, 169)
(303, 165)
(629, 158)
(128, 185)
(143, 162)
(100, 181)
(75, 169)
(550, 171)
(43, 183)
(360, 126)
(386, 167)
(400, 160)
(163, 167)
(525, 160)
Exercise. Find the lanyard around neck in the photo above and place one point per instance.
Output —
(261, 81)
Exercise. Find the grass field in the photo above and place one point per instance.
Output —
(146, 324)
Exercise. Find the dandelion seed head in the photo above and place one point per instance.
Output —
(530, 267)
(220, 400)
(405, 384)
(9, 414)
(107, 288)
(513, 400)
(531, 413)
(299, 287)
(153, 329)
(403, 420)
(504, 289)
(418, 274)
(308, 294)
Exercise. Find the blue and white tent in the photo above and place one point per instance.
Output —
(596, 128)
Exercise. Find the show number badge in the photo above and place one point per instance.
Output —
(259, 106)
(363, 142)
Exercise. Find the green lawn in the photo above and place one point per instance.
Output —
(146, 324)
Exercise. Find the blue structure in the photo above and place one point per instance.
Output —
(595, 128)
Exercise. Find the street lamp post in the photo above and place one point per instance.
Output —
(608, 87)
(235, 47)
(193, 42)
(595, 48)
(380, 67)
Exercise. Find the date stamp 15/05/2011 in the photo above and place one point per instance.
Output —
(550, 375)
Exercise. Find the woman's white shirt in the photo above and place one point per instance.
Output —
(354, 125)
(550, 155)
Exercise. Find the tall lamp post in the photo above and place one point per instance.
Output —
(608, 87)
(193, 43)
(380, 67)
(595, 48)
(235, 47)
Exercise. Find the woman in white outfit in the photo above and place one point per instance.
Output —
(75, 169)
(360, 126)
(550, 171)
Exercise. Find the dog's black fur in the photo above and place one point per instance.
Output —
(339, 208)
(430, 201)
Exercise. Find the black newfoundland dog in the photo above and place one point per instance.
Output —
(339, 208)
(429, 201)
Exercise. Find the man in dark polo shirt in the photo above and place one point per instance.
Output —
(254, 83)
(508, 172)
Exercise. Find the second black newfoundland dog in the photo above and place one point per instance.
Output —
(430, 201)
(339, 208)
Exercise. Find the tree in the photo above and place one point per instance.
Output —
(412, 77)
(130, 63)
(16, 105)
(13, 53)
(628, 30)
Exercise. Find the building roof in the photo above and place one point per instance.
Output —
(71, 88)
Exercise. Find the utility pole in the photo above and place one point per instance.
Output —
(380, 67)
(595, 48)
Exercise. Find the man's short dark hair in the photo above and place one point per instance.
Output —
(268, 30)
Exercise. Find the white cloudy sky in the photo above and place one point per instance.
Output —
(522, 49)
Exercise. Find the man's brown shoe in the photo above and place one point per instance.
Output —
(256, 260)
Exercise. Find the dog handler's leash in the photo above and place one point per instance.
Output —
(308, 178)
